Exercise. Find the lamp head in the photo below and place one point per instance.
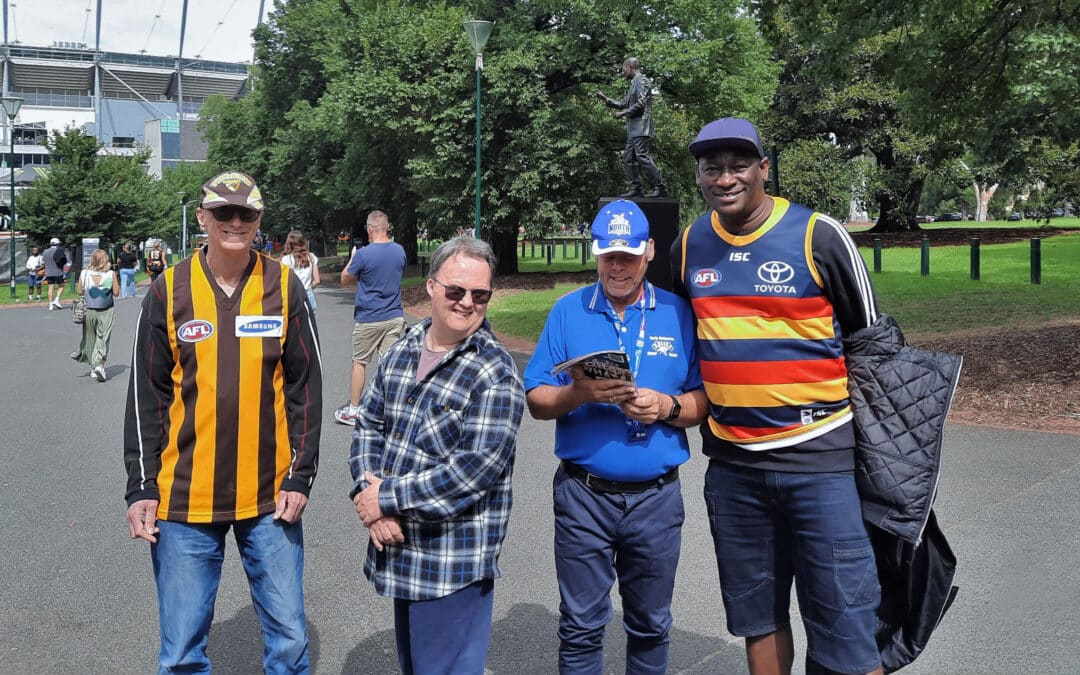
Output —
(11, 105)
(478, 32)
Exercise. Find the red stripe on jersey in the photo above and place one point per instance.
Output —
(773, 372)
(755, 305)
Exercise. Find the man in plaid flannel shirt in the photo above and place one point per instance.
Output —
(432, 456)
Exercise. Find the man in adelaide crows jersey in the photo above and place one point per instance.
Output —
(222, 432)
(775, 287)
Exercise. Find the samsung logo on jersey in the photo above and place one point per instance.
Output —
(706, 278)
(195, 330)
(259, 327)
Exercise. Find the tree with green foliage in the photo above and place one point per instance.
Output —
(926, 83)
(362, 104)
(85, 194)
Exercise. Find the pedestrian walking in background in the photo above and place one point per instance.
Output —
(377, 270)
(299, 259)
(56, 262)
(35, 274)
(99, 285)
(222, 433)
(127, 262)
(155, 260)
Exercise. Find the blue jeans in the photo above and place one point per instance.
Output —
(600, 537)
(770, 528)
(311, 300)
(445, 635)
(187, 568)
(127, 283)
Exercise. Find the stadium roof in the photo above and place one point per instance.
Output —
(154, 78)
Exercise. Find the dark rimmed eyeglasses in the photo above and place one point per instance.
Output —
(225, 214)
(480, 296)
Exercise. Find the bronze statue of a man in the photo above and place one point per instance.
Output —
(636, 107)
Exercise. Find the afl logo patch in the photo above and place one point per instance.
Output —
(195, 330)
(706, 278)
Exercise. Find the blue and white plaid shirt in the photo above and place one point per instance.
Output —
(444, 447)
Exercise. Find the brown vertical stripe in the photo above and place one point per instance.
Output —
(270, 415)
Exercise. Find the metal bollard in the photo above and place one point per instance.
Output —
(974, 258)
(549, 246)
(924, 268)
(877, 255)
(423, 266)
(584, 254)
(532, 249)
(522, 248)
(1036, 260)
(564, 249)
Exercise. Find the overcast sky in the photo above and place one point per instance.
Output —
(218, 30)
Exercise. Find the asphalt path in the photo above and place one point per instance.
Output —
(77, 594)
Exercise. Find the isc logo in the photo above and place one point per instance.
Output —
(195, 330)
(706, 278)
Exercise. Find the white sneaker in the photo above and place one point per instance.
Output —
(75, 355)
(51, 306)
(98, 373)
(56, 304)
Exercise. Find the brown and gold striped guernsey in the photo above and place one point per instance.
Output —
(227, 449)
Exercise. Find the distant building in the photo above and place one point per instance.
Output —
(128, 101)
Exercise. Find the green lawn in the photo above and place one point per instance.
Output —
(1068, 223)
(946, 301)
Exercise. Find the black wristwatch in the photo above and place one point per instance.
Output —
(676, 410)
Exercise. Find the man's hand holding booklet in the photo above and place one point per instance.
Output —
(602, 365)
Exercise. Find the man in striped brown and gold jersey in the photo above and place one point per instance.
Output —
(222, 431)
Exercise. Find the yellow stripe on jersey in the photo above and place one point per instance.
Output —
(723, 433)
(774, 395)
(203, 460)
(249, 393)
(169, 454)
(808, 251)
(765, 328)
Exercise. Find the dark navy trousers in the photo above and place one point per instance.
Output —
(601, 537)
(445, 635)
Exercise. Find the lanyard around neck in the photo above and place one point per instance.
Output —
(639, 344)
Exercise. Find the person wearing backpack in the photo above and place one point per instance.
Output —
(55, 261)
(155, 261)
(99, 284)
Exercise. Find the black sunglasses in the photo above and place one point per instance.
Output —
(480, 296)
(225, 214)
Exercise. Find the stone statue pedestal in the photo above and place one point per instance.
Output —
(663, 215)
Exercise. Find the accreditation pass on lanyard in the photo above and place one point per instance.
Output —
(635, 430)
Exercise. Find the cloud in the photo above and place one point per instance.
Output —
(217, 30)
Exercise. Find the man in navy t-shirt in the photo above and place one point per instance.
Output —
(377, 270)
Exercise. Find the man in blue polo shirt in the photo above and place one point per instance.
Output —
(618, 504)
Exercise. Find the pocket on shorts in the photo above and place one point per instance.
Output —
(855, 572)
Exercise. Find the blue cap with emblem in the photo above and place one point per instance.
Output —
(620, 226)
(727, 132)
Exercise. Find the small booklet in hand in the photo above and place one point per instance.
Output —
(603, 365)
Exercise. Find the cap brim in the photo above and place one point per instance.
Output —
(619, 248)
(699, 148)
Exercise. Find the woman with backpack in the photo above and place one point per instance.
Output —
(98, 284)
(297, 257)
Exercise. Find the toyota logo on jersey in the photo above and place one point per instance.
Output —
(775, 272)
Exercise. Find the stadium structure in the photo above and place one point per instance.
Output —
(127, 101)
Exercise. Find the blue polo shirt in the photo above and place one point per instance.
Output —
(594, 435)
(378, 268)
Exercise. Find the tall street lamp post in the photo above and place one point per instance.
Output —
(11, 109)
(184, 243)
(478, 32)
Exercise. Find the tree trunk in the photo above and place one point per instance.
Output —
(982, 200)
(504, 244)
